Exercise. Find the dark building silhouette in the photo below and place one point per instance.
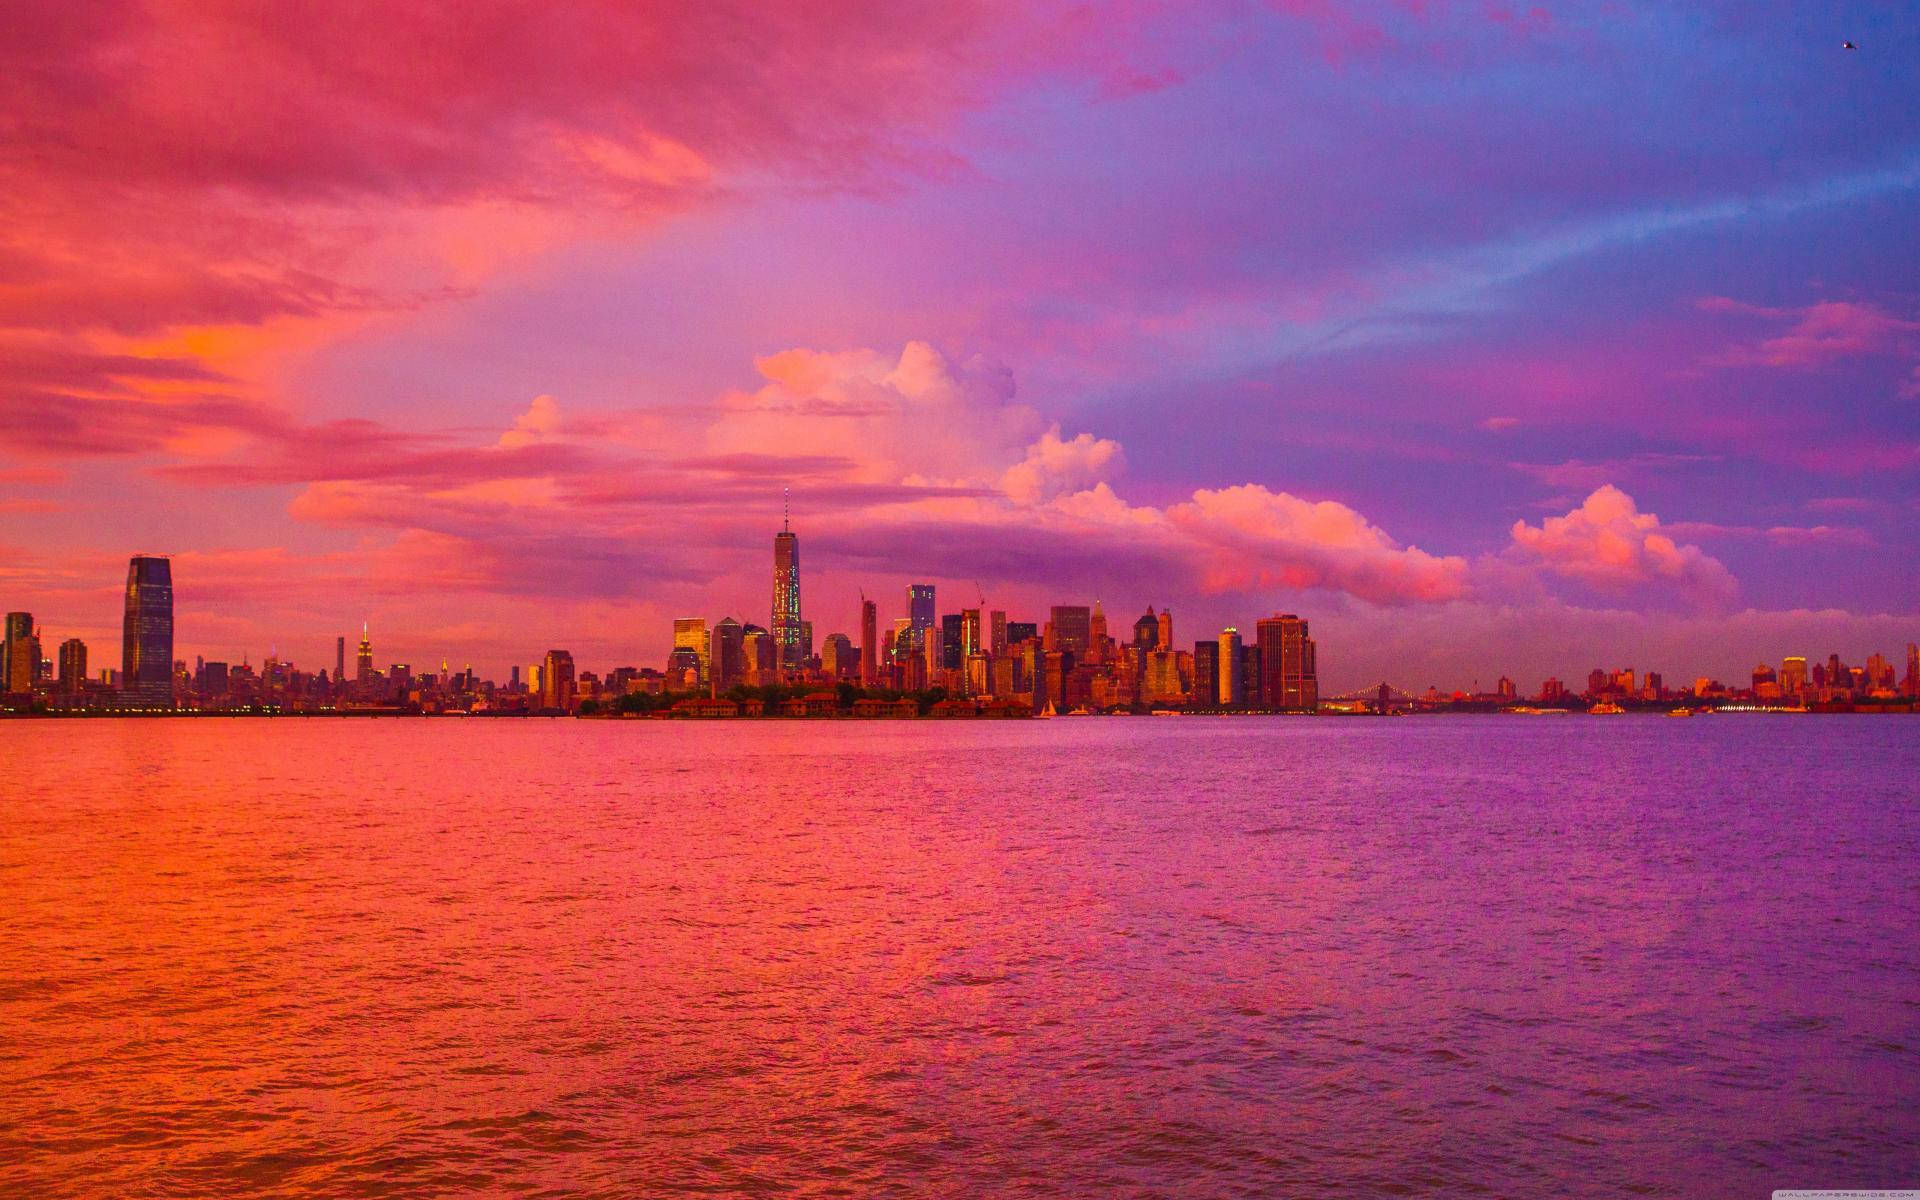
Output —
(146, 644)
(19, 654)
(73, 665)
(920, 606)
(869, 642)
(1206, 674)
(729, 665)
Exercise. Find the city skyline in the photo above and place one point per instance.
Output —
(1068, 660)
(1234, 300)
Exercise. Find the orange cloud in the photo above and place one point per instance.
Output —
(1609, 543)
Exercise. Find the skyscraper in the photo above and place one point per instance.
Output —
(1072, 630)
(997, 632)
(1289, 678)
(1231, 656)
(556, 681)
(1206, 674)
(728, 666)
(73, 665)
(16, 674)
(1146, 631)
(869, 642)
(146, 645)
(690, 633)
(339, 660)
(363, 659)
(953, 652)
(837, 657)
(787, 638)
(20, 654)
(920, 605)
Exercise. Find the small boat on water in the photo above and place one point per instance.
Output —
(1606, 709)
(1680, 712)
(1046, 714)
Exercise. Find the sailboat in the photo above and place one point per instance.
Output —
(1046, 714)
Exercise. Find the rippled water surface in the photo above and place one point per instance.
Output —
(1193, 957)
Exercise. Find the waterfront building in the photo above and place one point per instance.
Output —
(146, 644)
(557, 682)
(1289, 678)
(1229, 655)
(73, 665)
(1160, 678)
(788, 638)
(1250, 674)
(18, 654)
(1206, 674)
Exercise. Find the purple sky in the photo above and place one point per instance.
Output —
(1494, 339)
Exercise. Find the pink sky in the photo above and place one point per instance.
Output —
(1494, 338)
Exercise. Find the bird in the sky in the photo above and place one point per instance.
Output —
(1848, 46)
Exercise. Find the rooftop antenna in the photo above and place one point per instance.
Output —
(786, 523)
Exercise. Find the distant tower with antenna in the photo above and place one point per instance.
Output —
(788, 640)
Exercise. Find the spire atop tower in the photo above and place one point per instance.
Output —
(786, 505)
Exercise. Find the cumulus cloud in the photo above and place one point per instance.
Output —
(1609, 544)
(1054, 466)
(918, 416)
(1249, 538)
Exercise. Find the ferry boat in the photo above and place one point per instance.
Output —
(1680, 712)
(1606, 708)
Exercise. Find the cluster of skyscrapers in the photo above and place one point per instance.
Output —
(146, 675)
(1069, 661)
